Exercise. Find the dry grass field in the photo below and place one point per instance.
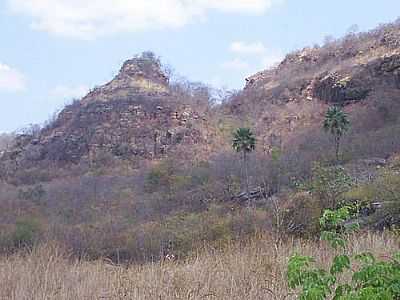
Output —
(255, 270)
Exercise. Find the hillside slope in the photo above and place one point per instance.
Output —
(136, 115)
(141, 116)
(359, 71)
(141, 167)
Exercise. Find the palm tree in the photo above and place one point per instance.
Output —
(244, 141)
(337, 123)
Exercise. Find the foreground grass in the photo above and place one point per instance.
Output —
(255, 270)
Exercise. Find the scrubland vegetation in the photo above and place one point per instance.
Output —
(227, 219)
(252, 269)
(141, 214)
(179, 232)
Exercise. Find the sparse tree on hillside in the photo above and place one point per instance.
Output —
(244, 141)
(337, 123)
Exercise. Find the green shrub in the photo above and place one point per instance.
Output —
(160, 176)
(26, 232)
(301, 217)
(31, 176)
(328, 184)
(183, 233)
(34, 194)
(385, 190)
(188, 231)
(367, 279)
(200, 174)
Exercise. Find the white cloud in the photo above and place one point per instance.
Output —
(247, 6)
(256, 48)
(11, 80)
(236, 64)
(271, 59)
(88, 19)
(254, 52)
(69, 92)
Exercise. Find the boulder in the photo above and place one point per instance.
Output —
(339, 89)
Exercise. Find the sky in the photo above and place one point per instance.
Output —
(52, 51)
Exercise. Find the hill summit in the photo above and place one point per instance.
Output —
(137, 114)
(142, 75)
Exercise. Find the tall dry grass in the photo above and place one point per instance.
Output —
(255, 270)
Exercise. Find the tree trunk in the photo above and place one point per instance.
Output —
(246, 170)
(337, 147)
(155, 137)
(95, 188)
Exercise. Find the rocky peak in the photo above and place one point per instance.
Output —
(135, 115)
(141, 75)
(143, 68)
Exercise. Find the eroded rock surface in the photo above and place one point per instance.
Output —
(134, 115)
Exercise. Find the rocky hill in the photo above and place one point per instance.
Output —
(359, 71)
(137, 114)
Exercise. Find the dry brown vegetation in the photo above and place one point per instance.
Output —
(252, 270)
(6, 141)
(120, 208)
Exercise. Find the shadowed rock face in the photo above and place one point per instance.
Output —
(358, 72)
(337, 89)
(135, 114)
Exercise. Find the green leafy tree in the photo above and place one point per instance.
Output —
(329, 184)
(336, 123)
(244, 142)
(368, 279)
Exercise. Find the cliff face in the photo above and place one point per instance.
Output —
(134, 115)
(356, 71)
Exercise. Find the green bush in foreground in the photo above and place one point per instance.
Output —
(371, 279)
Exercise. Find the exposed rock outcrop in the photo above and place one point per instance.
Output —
(141, 75)
(138, 114)
(357, 71)
(134, 115)
(334, 88)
